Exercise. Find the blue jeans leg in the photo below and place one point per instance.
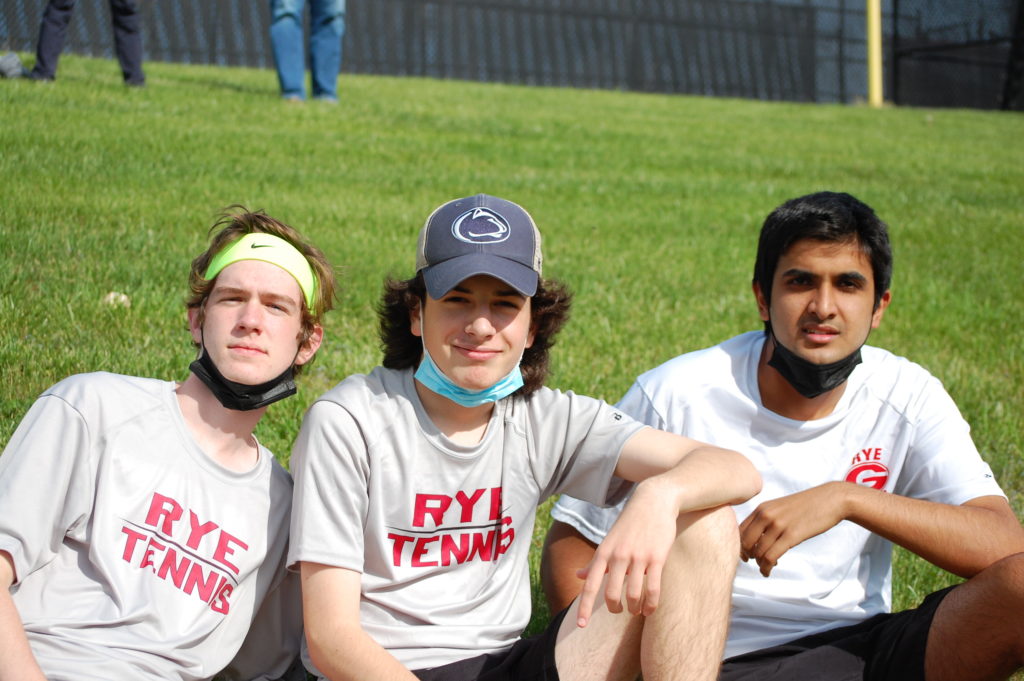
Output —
(327, 27)
(286, 41)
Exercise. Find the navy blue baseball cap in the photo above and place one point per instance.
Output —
(479, 234)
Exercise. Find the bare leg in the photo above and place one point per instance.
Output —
(685, 636)
(978, 630)
(565, 552)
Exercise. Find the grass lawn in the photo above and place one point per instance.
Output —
(650, 206)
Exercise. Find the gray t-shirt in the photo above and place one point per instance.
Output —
(441, 532)
(136, 555)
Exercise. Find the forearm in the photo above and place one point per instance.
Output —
(699, 475)
(18, 662)
(338, 645)
(961, 539)
(707, 477)
(352, 655)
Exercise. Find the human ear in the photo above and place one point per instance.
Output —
(312, 344)
(762, 303)
(533, 331)
(195, 324)
(414, 319)
(883, 303)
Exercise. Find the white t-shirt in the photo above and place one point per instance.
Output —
(136, 555)
(441, 532)
(895, 428)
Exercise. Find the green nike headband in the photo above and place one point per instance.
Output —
(272, 249)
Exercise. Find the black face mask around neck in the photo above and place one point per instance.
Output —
(810, 379)
(239, 396)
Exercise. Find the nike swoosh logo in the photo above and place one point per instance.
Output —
(261, 245)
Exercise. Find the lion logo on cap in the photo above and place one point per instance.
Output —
(480, 226)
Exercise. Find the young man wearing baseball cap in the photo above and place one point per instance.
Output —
(859, 449)
(142, 526)
(417, 486)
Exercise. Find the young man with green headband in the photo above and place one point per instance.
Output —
(143, 528)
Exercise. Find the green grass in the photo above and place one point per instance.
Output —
(649, 205)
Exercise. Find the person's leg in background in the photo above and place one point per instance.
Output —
(327, 28)
(52, 33)
(128, 40)
(286, 41)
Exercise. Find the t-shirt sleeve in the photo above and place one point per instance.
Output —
(51, 451)
(591, 520)
(943, 464)
(331, 470)
(588, 436)
(637, 404)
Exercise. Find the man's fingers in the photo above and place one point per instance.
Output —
(778, 549)
(591, 587)
(635, 589)
(750, 533)
(652, 597)
(764, 544)
(613, 586)
(768, 551)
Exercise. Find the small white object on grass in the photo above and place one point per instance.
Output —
(117, 298)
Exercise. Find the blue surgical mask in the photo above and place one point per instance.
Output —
(434, 379)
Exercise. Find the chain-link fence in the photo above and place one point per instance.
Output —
(941, 52)
(953, 53)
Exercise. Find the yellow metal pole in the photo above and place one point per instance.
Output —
(874, 30)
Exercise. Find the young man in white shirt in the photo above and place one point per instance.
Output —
(143, 528)
(417, 487)
(858, 449)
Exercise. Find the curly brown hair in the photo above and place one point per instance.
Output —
(549, 311)
(234, 223)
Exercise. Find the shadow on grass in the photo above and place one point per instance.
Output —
(219, 84)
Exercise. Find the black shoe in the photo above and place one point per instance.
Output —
(36, 76)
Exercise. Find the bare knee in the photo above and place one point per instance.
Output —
(975, 633)
(713, 532)
(1005, 581)
(1013, 566)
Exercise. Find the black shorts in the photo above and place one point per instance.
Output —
(529, 659)
(886, 647)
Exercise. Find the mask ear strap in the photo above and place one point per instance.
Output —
(200, 315)
(423, 341)
(202, 340)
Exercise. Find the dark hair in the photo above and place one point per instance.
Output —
(828, 217)
(549, 311)
(234, 223)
